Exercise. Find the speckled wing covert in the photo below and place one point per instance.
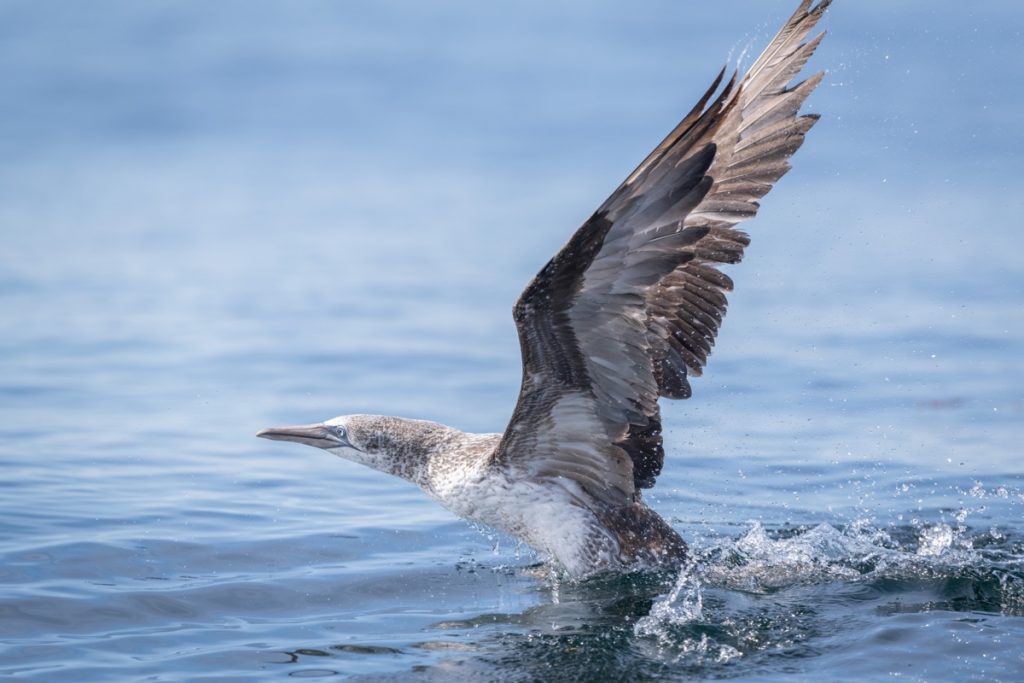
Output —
(632, 303)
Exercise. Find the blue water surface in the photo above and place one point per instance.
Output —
(217, 217)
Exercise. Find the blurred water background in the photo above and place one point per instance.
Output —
(220, 216)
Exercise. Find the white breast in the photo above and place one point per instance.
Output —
(546, 514)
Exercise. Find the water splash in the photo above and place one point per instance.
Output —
(683, 605)
(935, 540)
(705, 618)
(666, 626)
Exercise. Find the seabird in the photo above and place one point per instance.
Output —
(622, 315)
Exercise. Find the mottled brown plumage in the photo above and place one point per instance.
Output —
(631, 305)
(623, 315)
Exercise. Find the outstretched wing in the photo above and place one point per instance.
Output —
(632, 303)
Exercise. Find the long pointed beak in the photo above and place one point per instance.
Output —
(312, 435)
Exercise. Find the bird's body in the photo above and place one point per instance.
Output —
(620, 317)
(458, 470)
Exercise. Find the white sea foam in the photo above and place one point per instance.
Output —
(766, 563)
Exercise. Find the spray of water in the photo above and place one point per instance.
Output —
(743, 594)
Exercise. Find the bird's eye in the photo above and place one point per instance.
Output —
(340, 431)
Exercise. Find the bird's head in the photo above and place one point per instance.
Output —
(389, 444)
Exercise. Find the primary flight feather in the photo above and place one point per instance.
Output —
(623, 315)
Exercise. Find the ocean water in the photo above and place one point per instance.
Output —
(217, 217)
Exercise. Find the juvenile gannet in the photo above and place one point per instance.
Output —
(617, 319)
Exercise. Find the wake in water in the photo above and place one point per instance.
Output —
(778, 590)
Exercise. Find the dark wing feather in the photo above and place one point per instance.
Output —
(632, 303)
